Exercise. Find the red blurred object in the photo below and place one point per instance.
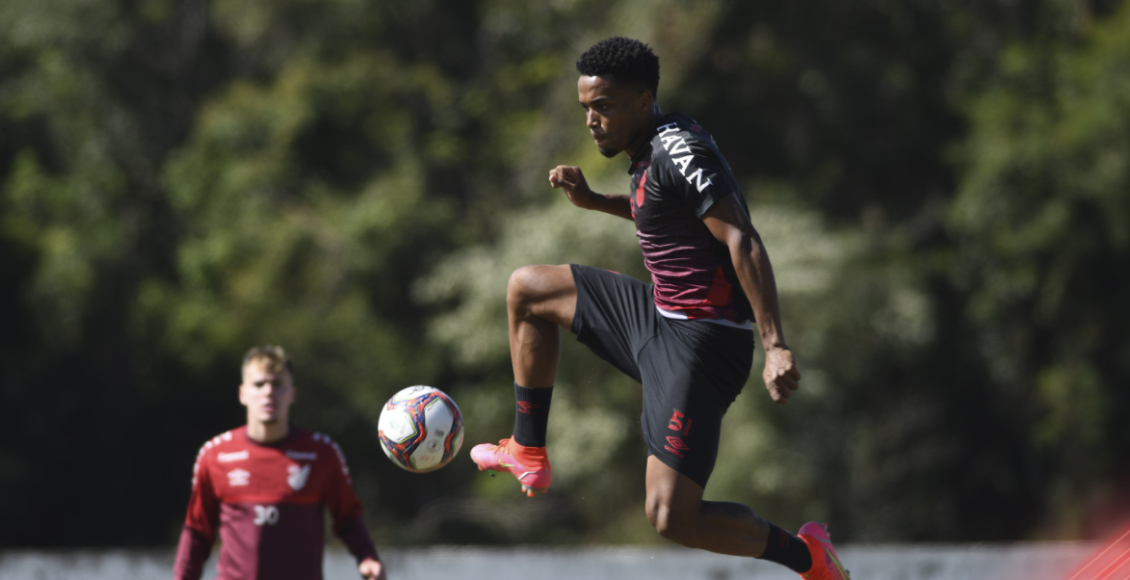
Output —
(1112, 562)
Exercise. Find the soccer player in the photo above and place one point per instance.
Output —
(687, 338)
(263, 487)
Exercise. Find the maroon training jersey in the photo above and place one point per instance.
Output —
(676, 178)
(266, 502)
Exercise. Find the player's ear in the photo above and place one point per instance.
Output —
(645, 101)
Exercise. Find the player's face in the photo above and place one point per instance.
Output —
(266, 395)
(616, 113)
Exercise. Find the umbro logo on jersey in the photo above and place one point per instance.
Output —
(233, 456)
(527, 407)
(237, 477)
(298, 475)
(676, 445)
(302, 455)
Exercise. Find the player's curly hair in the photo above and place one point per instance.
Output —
(625, 59)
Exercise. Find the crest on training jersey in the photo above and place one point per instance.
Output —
(298, 475)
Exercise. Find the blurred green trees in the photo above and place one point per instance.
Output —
(942, 186)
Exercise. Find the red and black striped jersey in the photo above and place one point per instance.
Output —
(266, 504)
(676, 178)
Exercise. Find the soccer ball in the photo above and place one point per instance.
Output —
(421, 429)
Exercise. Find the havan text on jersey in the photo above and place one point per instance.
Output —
(677, 145)
(677, 177)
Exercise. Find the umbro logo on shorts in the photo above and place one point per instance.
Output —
(676, 445)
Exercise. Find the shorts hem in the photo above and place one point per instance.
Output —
(670, 462)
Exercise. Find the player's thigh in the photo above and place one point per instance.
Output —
(547, 292)
(682, 407)
(615, 316)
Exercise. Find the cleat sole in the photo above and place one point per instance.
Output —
(531, 491)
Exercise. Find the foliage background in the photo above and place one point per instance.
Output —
(943, 187)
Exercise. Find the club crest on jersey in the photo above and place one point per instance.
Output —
(237, 477)
(298, 475)
(676, 145)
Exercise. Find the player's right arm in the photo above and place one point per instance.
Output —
(728, 222)
(572, 182)
(199, 532)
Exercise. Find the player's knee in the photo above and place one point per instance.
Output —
(521, 290)
(676, 530)
(668, 522)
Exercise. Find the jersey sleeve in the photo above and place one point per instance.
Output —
(346, 509)
(692, 168)
(192, 552)
(200, 523)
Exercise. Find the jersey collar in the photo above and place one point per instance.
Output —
(291, 432)
(642, 158)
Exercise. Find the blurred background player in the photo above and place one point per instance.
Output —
(687, 338)
(263, 488)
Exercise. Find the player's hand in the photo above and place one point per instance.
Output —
(572, 182)
(781, 374)
(371, 569)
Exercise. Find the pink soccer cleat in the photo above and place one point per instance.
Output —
(825, 564)
(529, 464)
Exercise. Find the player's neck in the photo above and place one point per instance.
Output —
(644, 134)
(267, 433)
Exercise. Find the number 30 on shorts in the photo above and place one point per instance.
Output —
(676, 423)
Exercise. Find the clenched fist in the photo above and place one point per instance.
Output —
(781, 374)
(572, 181)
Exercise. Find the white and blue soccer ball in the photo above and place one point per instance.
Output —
(421, 429)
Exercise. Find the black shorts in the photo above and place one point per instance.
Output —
(690, 370)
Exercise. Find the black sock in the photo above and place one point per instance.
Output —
(531, 415)
(787, 549)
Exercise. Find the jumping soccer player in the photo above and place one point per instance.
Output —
(263, 487)
(687, 338)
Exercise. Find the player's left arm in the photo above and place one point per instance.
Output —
(371, 569)
(729, 223)
(349, 524)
